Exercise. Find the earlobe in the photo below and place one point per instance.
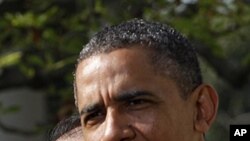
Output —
(206, 100)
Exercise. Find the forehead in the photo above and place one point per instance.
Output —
(130, 55)
(124, 60)
(113, 67)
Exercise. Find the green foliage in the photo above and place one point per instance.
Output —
(40, 42)
(8, 110)
(10, 59)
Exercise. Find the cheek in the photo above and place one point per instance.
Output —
(159, 124)
(93, 136)
(151, 126)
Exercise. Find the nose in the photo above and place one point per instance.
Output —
(117, 128)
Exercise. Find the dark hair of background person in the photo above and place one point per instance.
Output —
(172, 54)
(64, 126)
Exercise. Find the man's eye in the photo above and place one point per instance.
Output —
(94, 118)
(138, 104)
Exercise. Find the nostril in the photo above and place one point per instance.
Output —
(129, 133)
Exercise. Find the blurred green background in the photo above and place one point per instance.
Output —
(40, 41)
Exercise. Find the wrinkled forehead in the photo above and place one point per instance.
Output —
(119, 66)
(124, 59)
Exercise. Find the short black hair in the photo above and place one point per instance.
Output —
(172, 53)
(64, 127)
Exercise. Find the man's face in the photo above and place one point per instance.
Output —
(120, 97)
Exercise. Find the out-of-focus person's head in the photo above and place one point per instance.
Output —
(68, 129)
(141, 80)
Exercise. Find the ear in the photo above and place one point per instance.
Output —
(206, 103)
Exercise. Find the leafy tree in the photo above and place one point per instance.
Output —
(40, 41)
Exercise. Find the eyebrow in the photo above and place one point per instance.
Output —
(128, 95)
(123, 96)
(90, 108)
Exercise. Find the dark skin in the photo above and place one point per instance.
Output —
(120, 97)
